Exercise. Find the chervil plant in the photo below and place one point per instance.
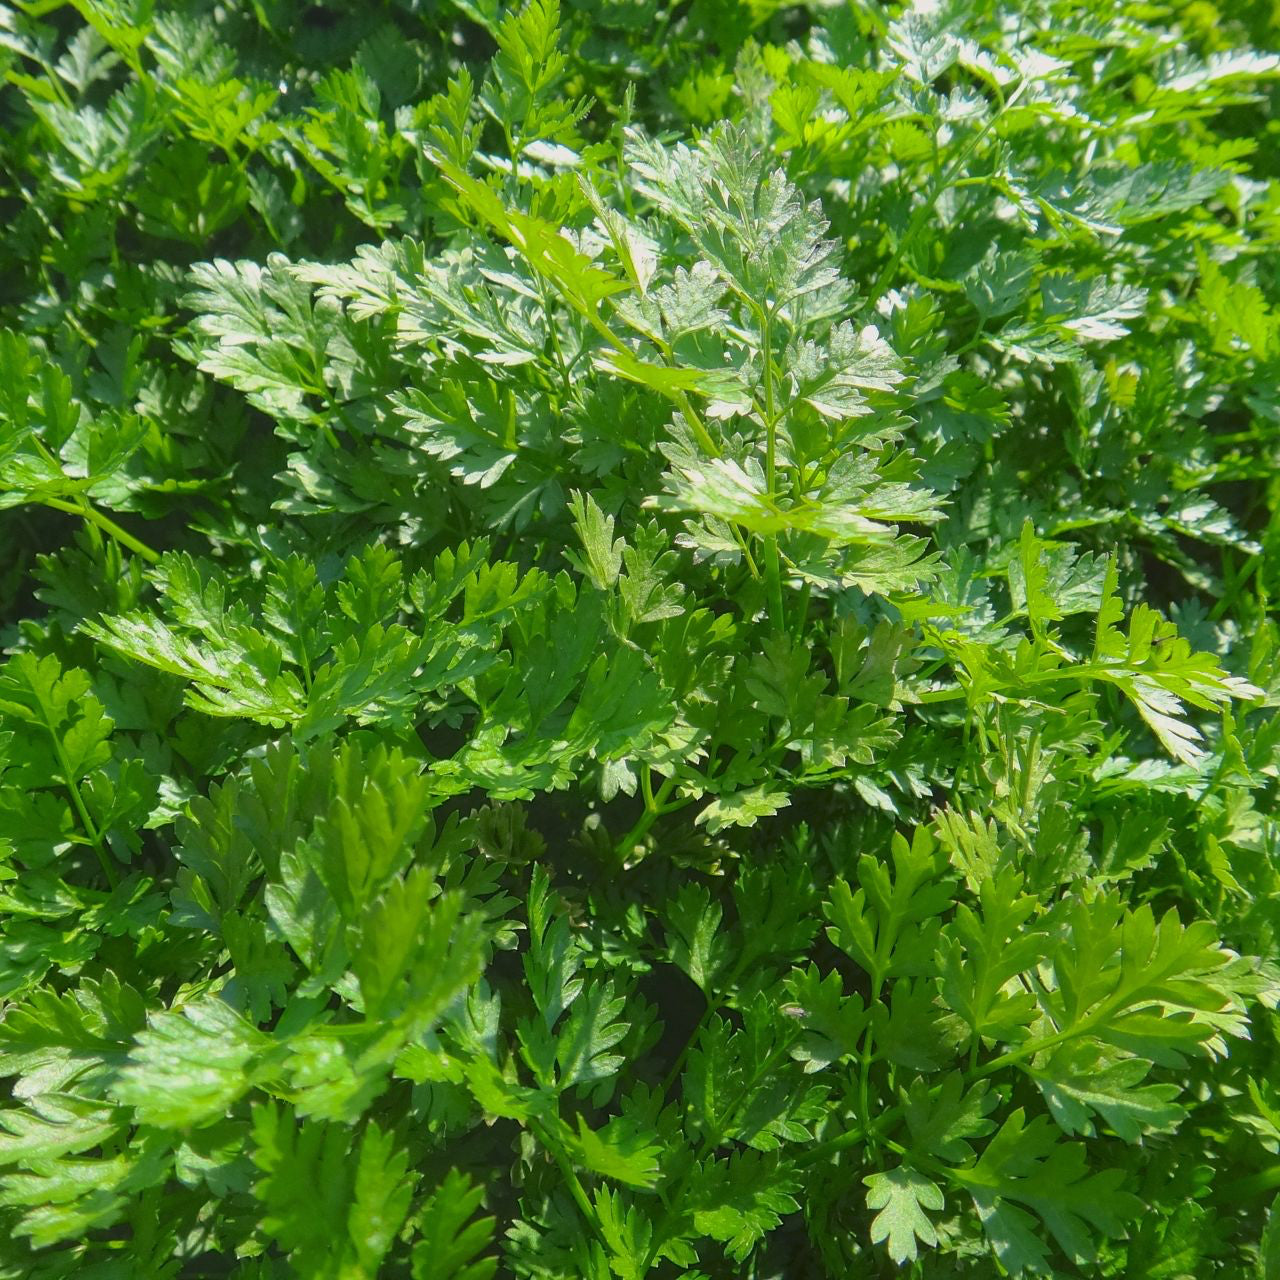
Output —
(638, 641)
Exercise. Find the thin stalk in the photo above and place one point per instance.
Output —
(770, 411)
(679, 398)
(832, 1146)
(678, 1065)
(1080, 671)
(82, 811)
(553, 334)
(1032, 1047)
(572, 1181)
(86, 510)
(866, 1055)
(705, 440)
(773, 581)
(772, 561)
(89, 512)
(1256, 1184)
(654, 807)
(747, 557)
(942, 695)
(801, 616)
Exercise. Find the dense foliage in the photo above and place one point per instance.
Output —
(638, 639)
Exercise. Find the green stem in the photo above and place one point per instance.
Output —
(772, 561)
(654, 808)
(705, 440)
(801, 616)
(700, 433)
(770, 413)
(864, 1080)
(747, 558)
(1079, 671)
(849, 1138)
(678, 1065)
(678, 398)
(82, 811)
(86, 510)
(1255, 1184)
(1083, 1027)
(646, 788)
(773, 582)
(942, 695)
(866, 1055)
(572, 1181)
(553, 333)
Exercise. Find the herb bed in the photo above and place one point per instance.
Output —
(638, 640)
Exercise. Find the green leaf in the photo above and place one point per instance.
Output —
(304, 1185)
(415, 955)
(619, 1151)
(890, 925)
(737, 1200)
(60, 1202)
(765, 242)
(742, 808)
(986, 951)
(1269, 1256)
(1079, 1082)
(191, 1065)
(901, 1197)
(602, 563)
(627, 1232)
(382, 1190)
(450, 1236)
(1159, 671)
(592, 1029)
(1024, 1165)
(57, 1125)
(944, 1119)
(696, 946)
